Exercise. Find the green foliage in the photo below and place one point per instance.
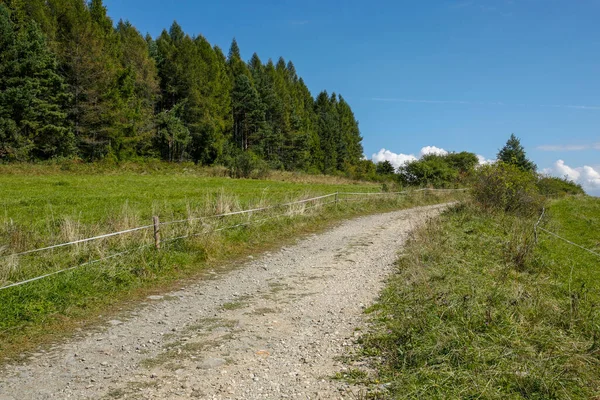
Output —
(438, 170)
(557, 187)
(33, 96)
(173, 137)
(506, 187)
(248, 115)
(464, 162)
(107, 92)
(248, 165)
(385, 168)
(460, 321)
(513, 153)
(363, 170)
(431, 170)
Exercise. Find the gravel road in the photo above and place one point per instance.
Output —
(274, 328)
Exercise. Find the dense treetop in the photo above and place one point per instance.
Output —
(513, 153)
(74, 84)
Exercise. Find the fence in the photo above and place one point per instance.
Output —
(156, 225)
(536, 227)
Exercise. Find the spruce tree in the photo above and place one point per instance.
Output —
(111, 92)
(513, 153)
(327, 129)
(138, 88)
(33, 96)
(248, 115)
(236, 66)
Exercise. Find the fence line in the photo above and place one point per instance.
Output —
(568, 241)
(72, 268)
(403, 192)
(149, 245)
(247, 211)
(535, 233)
(112, 234)
(79, 241)
(197, 234)
(107, 235)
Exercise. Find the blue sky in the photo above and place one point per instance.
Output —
(457, 74)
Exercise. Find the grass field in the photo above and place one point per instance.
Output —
(49, 207)
(476, 311)
(38, 203)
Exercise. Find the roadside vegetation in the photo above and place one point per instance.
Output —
(478, 309)
(46, 206)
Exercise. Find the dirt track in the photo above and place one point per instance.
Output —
(274, 328)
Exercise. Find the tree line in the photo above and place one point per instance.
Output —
(75, 85)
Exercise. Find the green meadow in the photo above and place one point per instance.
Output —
(42, 207)
(477, 309)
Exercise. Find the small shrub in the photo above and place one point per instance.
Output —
(505, 187)
(248, 165)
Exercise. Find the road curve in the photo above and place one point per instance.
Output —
(272, 329)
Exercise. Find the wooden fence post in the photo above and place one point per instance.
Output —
(156, 232)
(336, 198)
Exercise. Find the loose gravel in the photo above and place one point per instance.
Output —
(275, 328)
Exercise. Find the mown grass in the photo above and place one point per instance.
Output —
(477, 312)
(42, 310)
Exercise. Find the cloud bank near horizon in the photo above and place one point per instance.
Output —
(398, 160)
(588, 177)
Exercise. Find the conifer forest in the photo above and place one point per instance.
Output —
(75, 84)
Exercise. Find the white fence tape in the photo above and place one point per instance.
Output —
(72, 268)
(79, 241)
(568, 241)
(191, 235)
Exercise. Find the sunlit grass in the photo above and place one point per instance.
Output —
(48, 208)
(465, 318)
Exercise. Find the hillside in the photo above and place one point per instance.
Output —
(476, 309)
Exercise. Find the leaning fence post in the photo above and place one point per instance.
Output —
(156, 232)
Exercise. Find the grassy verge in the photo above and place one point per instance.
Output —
(477, 311)
(43, 310)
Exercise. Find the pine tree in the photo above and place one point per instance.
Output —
(514, 153)
(173, 137)
(81, 86)
(350, 149)
(248, 115)
(385, 168)
(33, 96)
(236, 66)
(327, 125)
(137, 85)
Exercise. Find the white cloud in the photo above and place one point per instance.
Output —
(483, 161)
(433, 150)
(591, 177)
(397, 160)
(586, 176)
(563, 170)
